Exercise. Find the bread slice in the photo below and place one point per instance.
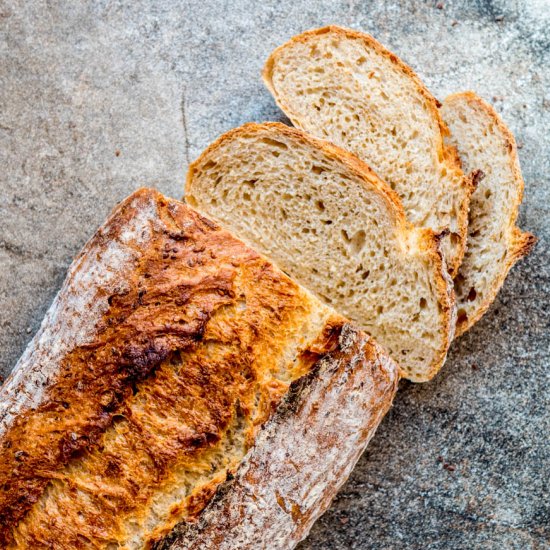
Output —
(488, 148)
(169, 347)
(332, 224)
(345, 87)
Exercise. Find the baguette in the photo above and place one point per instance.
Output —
(345, 87)
(486, 147)
(169, 347)
(330, 222)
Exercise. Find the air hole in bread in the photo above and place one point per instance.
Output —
(358, 241)
(274, 143)
(423, 303)
(472, 295)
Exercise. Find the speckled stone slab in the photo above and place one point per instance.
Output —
(99, 98)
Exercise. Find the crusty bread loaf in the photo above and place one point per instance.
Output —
(170, 344)
(345, 87)
(330, 222)
(495, 243)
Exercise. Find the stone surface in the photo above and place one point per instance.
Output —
(98, 98)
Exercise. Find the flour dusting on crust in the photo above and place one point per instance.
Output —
(302, 456)
(91, 279)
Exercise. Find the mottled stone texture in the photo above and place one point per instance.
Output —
(98, 98)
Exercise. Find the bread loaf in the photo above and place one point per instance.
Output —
(345, 87)
(168, 349)
(332, 224)
(486, 147)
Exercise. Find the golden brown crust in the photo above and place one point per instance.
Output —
(193, 346)
(429, 242)
(338, 405)
(520, 243)
(443, 150)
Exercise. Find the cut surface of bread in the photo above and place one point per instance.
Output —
(345, 87)
(170, 344)
(486, 146)
(332, 224)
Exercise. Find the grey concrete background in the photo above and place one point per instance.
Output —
(100, 98)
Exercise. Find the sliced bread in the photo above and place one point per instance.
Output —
(345, 87)
(486, 147)
(331, 223)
